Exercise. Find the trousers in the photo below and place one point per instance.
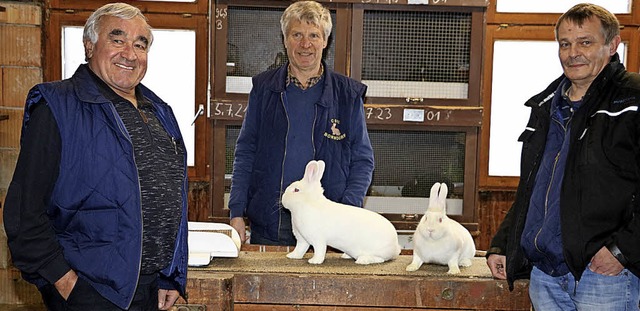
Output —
(593, 292)
(84, 297)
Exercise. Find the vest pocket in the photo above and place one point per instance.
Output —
(93, 227)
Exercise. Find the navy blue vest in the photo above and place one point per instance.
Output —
(95, 205)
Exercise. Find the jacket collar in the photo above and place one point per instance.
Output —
(84, 82)
(612, 68)
(91, 89)
(278, 84)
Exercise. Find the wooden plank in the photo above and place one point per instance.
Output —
(194, 7)
(283, 307)
(435, 115)
(212, 290)
(270, 279)
(376, 291)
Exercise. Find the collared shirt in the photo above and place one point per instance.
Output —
(567, 107)
(311, 82)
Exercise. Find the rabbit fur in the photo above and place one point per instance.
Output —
(361, 234)
(439, 239)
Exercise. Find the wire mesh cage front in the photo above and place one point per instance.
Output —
(407, 164)
(416, 53)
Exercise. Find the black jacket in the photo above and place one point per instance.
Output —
(598, 203)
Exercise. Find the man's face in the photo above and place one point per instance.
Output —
(304, 44)
(582, 50)
(119, 57)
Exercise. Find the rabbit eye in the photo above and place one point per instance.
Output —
(296, 190)
(440, 219)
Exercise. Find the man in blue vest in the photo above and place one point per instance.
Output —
(96, 212)
(299, 112)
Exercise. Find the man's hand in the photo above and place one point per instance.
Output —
(604, 263)
(498, 266)
(238, 224)
(166, 298)
(66, 284)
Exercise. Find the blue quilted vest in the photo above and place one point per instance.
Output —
(95, 205)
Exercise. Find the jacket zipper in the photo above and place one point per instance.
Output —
(286, 141)
(553, 174)
(126, 135)
(313, 130)
(519, 223)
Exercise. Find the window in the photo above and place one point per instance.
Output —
(178, 91)
(558, 6)
(518, 12)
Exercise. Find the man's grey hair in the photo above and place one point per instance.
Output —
(310, 12)
(120, 10)
(582, 12)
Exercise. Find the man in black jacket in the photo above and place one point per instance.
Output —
(574, 228)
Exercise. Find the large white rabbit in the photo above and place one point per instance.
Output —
(361, 234)
(439, 239)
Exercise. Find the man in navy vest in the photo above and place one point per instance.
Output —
(96, 213)
(299, 112)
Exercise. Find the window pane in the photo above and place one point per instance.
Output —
(170, 73)
(512, 85)
(558, 6)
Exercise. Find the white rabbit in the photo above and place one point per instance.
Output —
(361, 234)
(439, 239)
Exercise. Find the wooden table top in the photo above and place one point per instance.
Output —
(276, 262)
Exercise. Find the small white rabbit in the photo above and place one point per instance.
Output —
(439, 239)
(361, 234)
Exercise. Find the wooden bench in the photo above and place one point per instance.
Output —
(259, 281)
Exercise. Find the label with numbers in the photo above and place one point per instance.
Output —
(413, 115)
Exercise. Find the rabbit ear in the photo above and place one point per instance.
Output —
(321, 168)
(433, 197)
(442, 197)
(313, 172)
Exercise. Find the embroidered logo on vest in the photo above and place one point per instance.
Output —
(335, 131)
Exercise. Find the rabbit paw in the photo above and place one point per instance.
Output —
(345, 256)
(413, 267)
(368, 259)
(465, 262)
(316, 260)
(453, 270)
(294, 255)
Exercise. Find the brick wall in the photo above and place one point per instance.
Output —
(20, 69)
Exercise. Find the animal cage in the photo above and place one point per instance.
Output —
(421, 66)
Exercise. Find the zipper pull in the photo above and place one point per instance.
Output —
(175, 145)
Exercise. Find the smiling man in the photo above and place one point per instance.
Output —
(299, 112)
(96, 212)
(574, 228)
(118, 56)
